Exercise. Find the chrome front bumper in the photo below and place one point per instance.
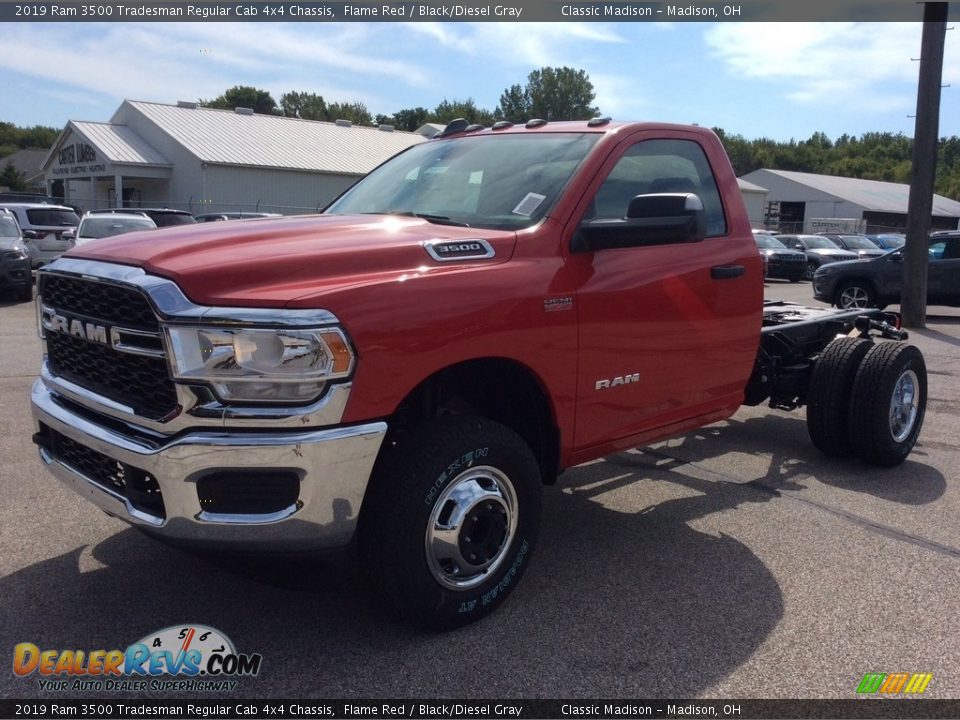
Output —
(333, 464)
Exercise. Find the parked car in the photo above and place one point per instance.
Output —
(14, 260)
(818, 249)
(860, 244)
(162, 217)
(888, 241)
(879, 281)
(43, 229)
(781, 261)
(94, 226)
(217, 217)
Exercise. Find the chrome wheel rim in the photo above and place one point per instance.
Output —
(853, 297)
(808, 273)
(904, 405)
(471, 527)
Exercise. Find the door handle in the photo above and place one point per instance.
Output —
(726, 272)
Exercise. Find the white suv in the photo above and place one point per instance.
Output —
(43, 228)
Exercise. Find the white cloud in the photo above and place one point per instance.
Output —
(530, 45)
(170, 61)
(864, 66)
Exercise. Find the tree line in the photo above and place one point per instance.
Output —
(549, 93)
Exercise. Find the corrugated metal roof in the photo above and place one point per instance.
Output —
(873, 195)
(228, 138)
(750, 187)
(119, 143)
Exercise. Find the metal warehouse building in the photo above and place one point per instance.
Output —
(204, 160)
(883, 205)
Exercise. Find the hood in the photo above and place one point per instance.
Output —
(269, 262)
(12, 243)
(782, 252)
(834, 252)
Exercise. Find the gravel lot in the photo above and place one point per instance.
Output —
(735, 561)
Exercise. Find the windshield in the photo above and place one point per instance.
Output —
(101, 227)
(857, 241)
(819, 243)
(168, 219)
(52, 217)
(889, 242)
(8, 227)
(503, 182)
(769, 242)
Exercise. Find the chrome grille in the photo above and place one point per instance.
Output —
(141, 382)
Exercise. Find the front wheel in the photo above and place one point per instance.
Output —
(450, 520)
(811, 269)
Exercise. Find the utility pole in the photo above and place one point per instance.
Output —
(925, 136)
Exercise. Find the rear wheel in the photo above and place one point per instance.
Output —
(855, 294)
(828, 396)
(451, 519)
(887, 403)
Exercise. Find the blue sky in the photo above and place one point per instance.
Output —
(779, 81)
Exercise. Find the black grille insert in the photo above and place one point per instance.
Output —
(114, 304)
(138, 487)
(138, 381)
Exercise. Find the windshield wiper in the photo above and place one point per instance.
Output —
(435, 219)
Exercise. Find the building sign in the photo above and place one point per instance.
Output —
(78, 159)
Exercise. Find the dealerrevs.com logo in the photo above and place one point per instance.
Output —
(178, 658)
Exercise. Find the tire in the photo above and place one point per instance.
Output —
(828, 396)
(887, 403)
(25, 294)
(855, 294)
(810, 270)
(450, 479)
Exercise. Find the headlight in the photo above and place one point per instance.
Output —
(260, 364)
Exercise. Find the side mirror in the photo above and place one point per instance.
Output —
(897, 257)
(70, 234)
(654, 219)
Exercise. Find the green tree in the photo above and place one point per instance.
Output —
(308, 106)
(12, 178)
(355, 112)
(411, 118)
(467, 109)
(550, 94)
(244, 96)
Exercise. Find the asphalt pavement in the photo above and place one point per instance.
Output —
(735, 561)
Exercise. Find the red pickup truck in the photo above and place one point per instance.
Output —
(479, 313)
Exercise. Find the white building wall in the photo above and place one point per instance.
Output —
(755, 203)
(186, 191)
(833, 209)
(289, 192)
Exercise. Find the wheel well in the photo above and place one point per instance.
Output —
(499, 389)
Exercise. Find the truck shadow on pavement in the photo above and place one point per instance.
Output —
(623, 597)
(778, 455)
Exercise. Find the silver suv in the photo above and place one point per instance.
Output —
(43, 227)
